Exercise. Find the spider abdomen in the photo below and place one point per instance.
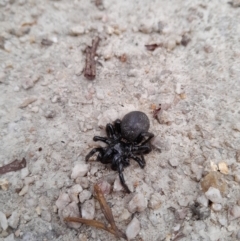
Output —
(133, 124)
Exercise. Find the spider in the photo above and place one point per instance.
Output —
(126, 139)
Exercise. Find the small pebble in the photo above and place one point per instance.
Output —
(88, 209)
(155, 201)
(83, 181)
(50, 113)
(125, 214)
(178, 88)
(28, 83)
(84, 195)
(74, 191)
(4, 184)
(3, 221)
(79, 170)
(14, 220)
(117, 186)
(10, 237)
(71, 210)
(174, 162)
(133, 229)
(137, 204)
(214, 179)
(216, 207)
(223, 168)
(63, 200)
(214, 195)
(203, 200)
(77, 30)
(27, 102)
(234, 212)
(24, 190)
(105, 187)
(38, 210)
(24, 172)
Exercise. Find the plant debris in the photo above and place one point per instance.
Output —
(90, 66)
(13, 166)
(107, 213)
(46, 42)
(156, 110)
(152, 47)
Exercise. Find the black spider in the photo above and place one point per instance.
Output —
(125, 139)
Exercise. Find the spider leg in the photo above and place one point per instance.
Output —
(110, 130)
(122, 180)
(102, 139)
(144, 135)
(140, 161)
(117, 126)
(142, 149)
(93, 151)
(117, 165)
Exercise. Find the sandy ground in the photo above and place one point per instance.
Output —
(49, 113)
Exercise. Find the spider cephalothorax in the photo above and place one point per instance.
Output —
(126, 139)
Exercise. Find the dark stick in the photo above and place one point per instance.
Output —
(90, 66)
(13, 166)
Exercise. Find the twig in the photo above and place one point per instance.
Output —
(13, 166)
(90, 66)
(107, 213)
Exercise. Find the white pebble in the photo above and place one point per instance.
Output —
(84, 195)
(3, 221)
(125, 214)
(74, 191)
(216, 207)
(14, 220)
(88, 209)
(214, 195)
(203, 200)
(24, 172)
(24, 190)
(178, 89)
(100, 94)
(117, 186)
(10, 237)
(234, 212)
(137, 204)
(174, 162)
(79, 170)
(63, 200)
(133, 229)
(83, 181)
(71, 210)
(155, 201)
(77, 30)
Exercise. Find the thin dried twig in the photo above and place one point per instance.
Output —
(107, 213)
(13, 166)
(90, 222)
(90, 65)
